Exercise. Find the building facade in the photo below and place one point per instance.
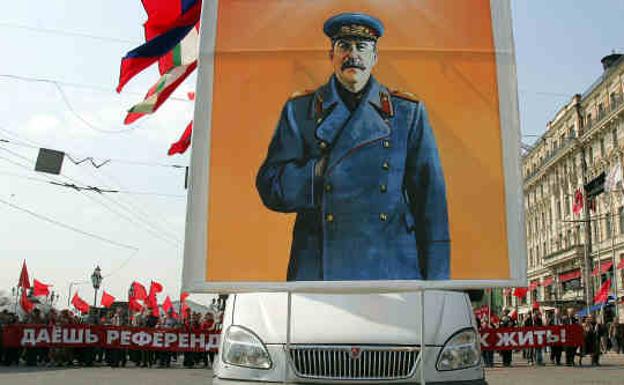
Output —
(570, 238)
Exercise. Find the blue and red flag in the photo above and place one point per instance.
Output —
(167, 24)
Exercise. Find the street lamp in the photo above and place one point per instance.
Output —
(96, 280)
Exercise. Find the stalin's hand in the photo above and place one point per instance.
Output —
(319, 167)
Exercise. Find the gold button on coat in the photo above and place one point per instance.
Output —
(383, 188)
(385, 166)
(328, 187)
(323, 145)
(329, 217)
(386, 144)
(383, 217)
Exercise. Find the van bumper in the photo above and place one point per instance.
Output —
(221, 381)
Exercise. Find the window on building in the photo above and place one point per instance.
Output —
(601, 110)
(569, 239)
(588, 121)
(544, 250)
(602, 148)
(574, 284)
(567, 205)
(558, 204)
(591, 155)
(561, 245)
(577, 235)
(621, 219)
(614, 140)
(608, 226)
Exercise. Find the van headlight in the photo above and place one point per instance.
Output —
(461, 351)
(243, 348)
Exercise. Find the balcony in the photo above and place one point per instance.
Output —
(570, 253)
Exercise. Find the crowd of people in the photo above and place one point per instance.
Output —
(210, 321)
(598, 338)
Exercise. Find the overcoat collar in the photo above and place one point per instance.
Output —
(344, 130)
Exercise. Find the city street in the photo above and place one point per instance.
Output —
(609, 373)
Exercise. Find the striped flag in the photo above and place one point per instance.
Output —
(167, 24)
(183, 61)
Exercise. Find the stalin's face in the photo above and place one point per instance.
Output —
(353, 60)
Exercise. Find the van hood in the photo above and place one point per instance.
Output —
(392, 319)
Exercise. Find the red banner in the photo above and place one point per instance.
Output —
(109, 337)
(531, 337)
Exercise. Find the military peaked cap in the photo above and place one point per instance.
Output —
(358, 25)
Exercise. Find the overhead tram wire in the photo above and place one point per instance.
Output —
(147, 226)
(140, 214)
(21, 143)
(25, 177)
(68, 227)
(166, 228)
(67, 33)
(102, 89)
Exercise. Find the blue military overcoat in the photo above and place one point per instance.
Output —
(379, 210)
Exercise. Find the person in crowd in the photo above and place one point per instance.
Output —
(208, 326)
(589, 339)
(556, 350)
(538, 356)
(529, 353)
(11, 355)
(488, 355)
(598, 329)
(570, 351)
(506, 322)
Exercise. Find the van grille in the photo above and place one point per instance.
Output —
(353, 362)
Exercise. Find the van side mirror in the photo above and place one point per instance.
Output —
(475, 295)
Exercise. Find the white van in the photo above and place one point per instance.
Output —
(354, 338)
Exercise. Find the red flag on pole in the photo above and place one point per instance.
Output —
(578, 202)
(107, 299)
(167, 305)
(520, 292)
(40, 288)
(184, 296)
(155, 287)
(24, 281)
(138, 291)
(80, 304)
(134, 305)
(25, 303)
(603, 294)
(183, 143)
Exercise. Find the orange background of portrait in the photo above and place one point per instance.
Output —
(440, 50)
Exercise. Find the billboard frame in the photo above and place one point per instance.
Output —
(194, 265)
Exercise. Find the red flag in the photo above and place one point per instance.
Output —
(578, 202)
(137, 291)
(183, 143)
(520, 292)
(184, 296)
(603, 294)
(191, 95)
(107, 299)
(167, 305)
(163, 31)
(513, 315)
(536, 306)
(151, 300)
(134, 305)
(40, 288)
(155, 287)
(24, 281)
(80, 304)
(25, 303)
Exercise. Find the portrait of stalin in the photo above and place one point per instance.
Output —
(359, 165)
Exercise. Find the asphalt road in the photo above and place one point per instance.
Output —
(610, 373)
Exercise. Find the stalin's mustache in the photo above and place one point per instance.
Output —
(352, 63)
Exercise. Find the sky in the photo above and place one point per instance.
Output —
(57, 78)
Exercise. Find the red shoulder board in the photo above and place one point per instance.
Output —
(404, 95)
(298, 94)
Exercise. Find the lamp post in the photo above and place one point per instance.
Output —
(96, 280)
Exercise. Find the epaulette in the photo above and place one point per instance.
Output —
(404, 95)
(298, 94)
